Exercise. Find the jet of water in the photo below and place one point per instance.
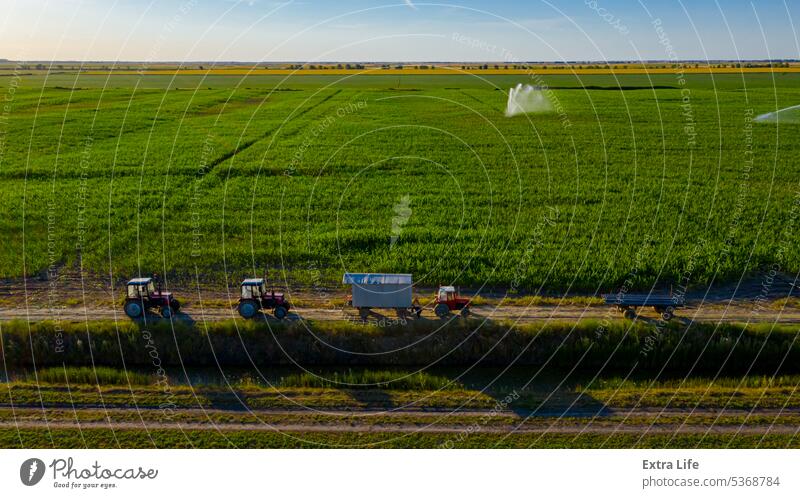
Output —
(527, 99)
(786, 115)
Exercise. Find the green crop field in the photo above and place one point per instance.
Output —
(641, 178)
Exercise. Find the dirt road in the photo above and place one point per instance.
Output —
(671, 421)
(73, 299)
(738, 312)
(405, 429)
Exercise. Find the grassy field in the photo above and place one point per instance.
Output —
(587, 346)
(585, 385)
(482, 390)
(724, 412)
(305, 177)
(106, 438)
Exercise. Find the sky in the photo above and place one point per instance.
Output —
(399, 30)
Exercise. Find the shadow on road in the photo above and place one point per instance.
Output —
(551, 398)
(372, 398)
(151, 318)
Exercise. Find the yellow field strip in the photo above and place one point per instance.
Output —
(447, 71)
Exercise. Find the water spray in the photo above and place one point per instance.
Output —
(785, 115)
(527, 99)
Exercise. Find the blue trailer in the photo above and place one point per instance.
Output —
(665, 304)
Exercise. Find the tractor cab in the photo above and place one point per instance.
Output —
(253, 288)
(448, 300)
(141, 288)
(255, 297)
(447, 293)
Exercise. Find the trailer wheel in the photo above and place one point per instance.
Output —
(176, 305)
(465, 312)
(133, 309)
(363, 313)
(667, 315)
(442, 310)
(247, 309)
(280, 312)
(629, 313)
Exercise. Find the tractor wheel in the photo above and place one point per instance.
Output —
(442, 310)
(629, 313)
(247, 309)
(167, 311)
(465, 312)
(280, 312)
(133, 309)
(363, 313)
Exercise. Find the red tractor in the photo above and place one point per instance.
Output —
(255, 297)
(448, 300)
(143, 295)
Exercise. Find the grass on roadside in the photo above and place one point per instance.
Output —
(104, 376)
(372, 379)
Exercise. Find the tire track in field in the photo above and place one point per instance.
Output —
(476, 99)
(249, 143)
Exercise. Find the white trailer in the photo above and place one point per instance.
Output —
(382, 291)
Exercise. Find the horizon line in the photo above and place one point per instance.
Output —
(233, 61)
